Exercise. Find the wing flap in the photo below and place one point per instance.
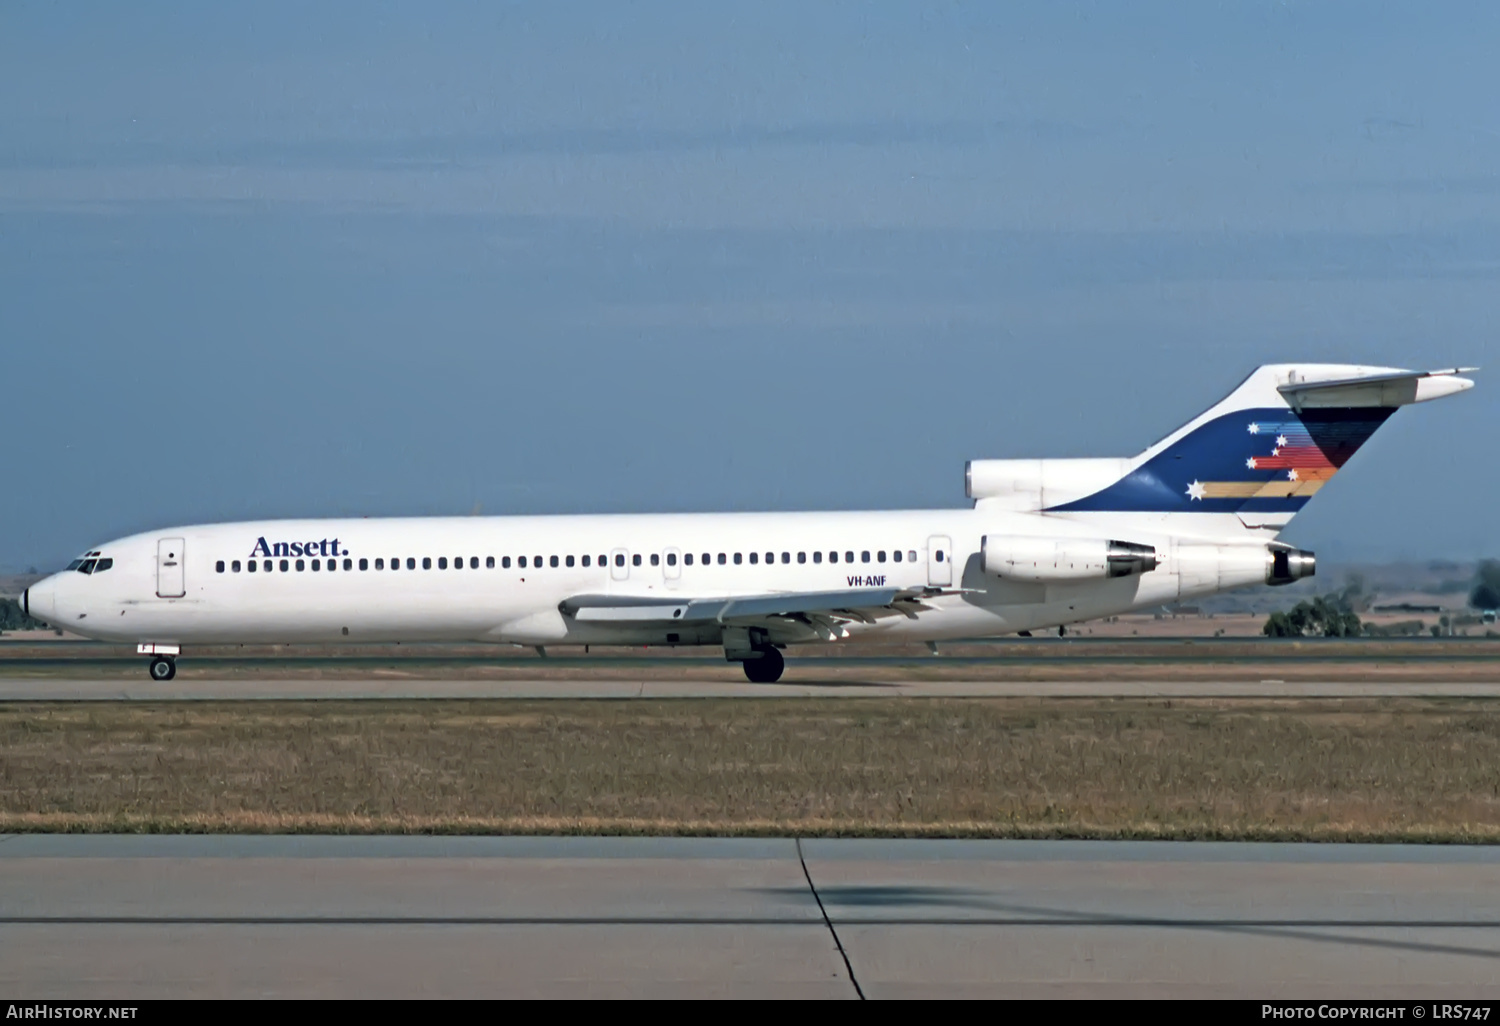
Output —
(865, 605)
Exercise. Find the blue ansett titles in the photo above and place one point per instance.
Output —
(322, 547)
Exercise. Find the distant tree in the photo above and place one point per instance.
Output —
(12, 619)
(1486, 591)
(1325, 616)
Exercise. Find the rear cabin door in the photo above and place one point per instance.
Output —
(940, 560)
(169, 577)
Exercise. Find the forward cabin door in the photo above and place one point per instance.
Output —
(940, 560)
(169, 578)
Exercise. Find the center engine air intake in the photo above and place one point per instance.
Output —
(1064, 559)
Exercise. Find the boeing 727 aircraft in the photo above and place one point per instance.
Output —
(1047, 542)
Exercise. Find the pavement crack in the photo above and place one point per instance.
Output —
(826, 921)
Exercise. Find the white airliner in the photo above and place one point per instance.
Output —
(1047, 543)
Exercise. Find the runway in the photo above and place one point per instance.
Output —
(21, 689)
(402, 917)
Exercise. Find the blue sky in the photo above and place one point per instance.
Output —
(284, 259)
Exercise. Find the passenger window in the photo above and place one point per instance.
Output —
(521, 562)
(427, 562)
(635, 560)
(671, 559)
(848, 557)
(687, 559)
(218, 567)
(379, 564)
(802, 557)
(754, 558)
(364, 564)
(655, 559)
(552, 561)
(251, 566)
(724, 559)
(235, 566)
(619, 559)
(474, 562)
(911, 555)
(880, 556)
(505, 562)
(349, 564)
(301, 565)
(568, 561)
(833, 557)
(266, 566)
(817, 557)
(786, 557)
(489, 562)
(603, 560)
(770, 557)
(737, 559)
(896, 555)
(585, 560)
(707, 561)
(442, 563)
(536, 561)
(285, 566)
(411, 562)
(314, 564)
(939, 555)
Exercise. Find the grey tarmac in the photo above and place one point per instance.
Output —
(136, 917)
(41, 689)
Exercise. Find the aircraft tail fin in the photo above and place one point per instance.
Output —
(1269, 446)
(1256, 457)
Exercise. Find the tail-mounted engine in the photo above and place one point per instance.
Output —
(1064, 559)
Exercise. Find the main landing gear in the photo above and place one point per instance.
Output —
(163, 668)
(767, 668)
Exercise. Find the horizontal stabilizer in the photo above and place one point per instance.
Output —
(1397, 388)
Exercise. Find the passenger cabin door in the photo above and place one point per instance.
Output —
(169, 578)
(940, 560)
(619, 565)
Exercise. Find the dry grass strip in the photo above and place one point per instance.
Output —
(1410, 769)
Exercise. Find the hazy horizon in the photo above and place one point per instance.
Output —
(392, 259)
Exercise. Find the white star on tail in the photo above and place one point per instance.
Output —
(1254, 428)
(1280, 440)
(1250, 463)
(1196, 491)
(1291, 475)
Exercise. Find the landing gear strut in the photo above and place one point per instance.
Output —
(766, 668)
(163, 668)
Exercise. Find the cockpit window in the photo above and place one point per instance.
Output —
(88, 566)
(104, 564)
(75, 564)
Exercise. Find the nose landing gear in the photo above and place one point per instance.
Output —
(163, 668)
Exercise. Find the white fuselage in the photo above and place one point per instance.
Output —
(463, 578)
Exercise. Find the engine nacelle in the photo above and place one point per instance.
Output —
(1288, 565)
(1053, 560)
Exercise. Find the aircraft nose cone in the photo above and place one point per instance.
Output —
(40, 601)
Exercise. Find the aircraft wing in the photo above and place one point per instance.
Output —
(822, 611)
